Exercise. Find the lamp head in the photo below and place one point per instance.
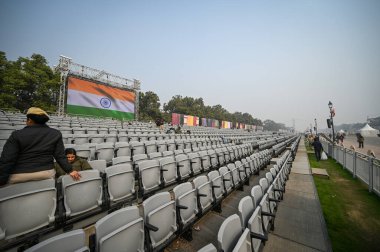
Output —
(330, 104)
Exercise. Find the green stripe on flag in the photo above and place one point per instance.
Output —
(80, 110)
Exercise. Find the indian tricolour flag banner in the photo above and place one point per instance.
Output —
(88, 98)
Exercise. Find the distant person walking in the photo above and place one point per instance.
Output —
(360, 140)
(317, 148)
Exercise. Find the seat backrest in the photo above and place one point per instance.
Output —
(122, 160)
(39, 197)
(161, 146)
(150, 147)
(155, 155)
(255, 226)
(227, 178)
(96, 138)
(122, 149)
(120, 181)
(234, 173)
(195, 162)
(167, 153)
(245, 208)
(105, 151)
(122, 230)
(229, 233)
(150, 174)
(183, 163)
(99, 165)
(244, 242)
(137, 147)
(263, 182)
(203, 186)
(256, 194)
(217, 184)
(71, 241)
(169, 169)
(159, 211)
(206, 162)
(73, 191)
(83, 151)
(269, 177)
(185, 195)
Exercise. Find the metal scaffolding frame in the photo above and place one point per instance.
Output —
(67, 67)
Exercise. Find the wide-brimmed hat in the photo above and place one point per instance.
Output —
(36, 111)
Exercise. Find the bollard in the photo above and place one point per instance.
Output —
(370, 166)
(354, 166)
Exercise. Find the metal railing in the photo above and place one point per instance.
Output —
(363, 167)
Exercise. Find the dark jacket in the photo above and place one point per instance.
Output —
(317, 145)
(79, 164)
(32, 149)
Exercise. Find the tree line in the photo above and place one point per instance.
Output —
(32, 82)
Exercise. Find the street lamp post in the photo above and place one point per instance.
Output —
(315, 125)
(332, 114)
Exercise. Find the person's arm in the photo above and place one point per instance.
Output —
(86, 165)
(8, 158)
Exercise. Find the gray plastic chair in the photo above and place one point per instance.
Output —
(257, 195)
(122, 230)
(150, 147)
(99, 165)
(110, 138)
(83, 151)
(213, 158)
(204, 193)
(96, 138)
(206, 161)
(168, 154)
(169, 170)
(162, 146)
(244, 242)
(105, 151)
(121, 182)
(246, 208)
(39, 197)
(89, 185)
(235, 174)
(229, 233)
(155, 155)
(150, 175)
(122, 149)
(227, 179)
(71, 241)
(160, 213)
(137, 147)
(195, 162)
(183, 164)
(255, 226)
(122, 160)
(185, 195)
(79, 138)
(217, 185)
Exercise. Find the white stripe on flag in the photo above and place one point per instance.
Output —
(80, 98)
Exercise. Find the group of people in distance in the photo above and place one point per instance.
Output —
(29, 153)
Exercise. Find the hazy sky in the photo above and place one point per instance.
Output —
(279, 60)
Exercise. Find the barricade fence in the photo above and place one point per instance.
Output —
(361, 166)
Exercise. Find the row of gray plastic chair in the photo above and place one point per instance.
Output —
(119, 186)
(248, 229)
(164, 218)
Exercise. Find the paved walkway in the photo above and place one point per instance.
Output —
(370, 143)
(299, 222)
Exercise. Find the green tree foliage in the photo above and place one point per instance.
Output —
(191, 106)
(149, 106)
(270, 125)
(28, 82)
